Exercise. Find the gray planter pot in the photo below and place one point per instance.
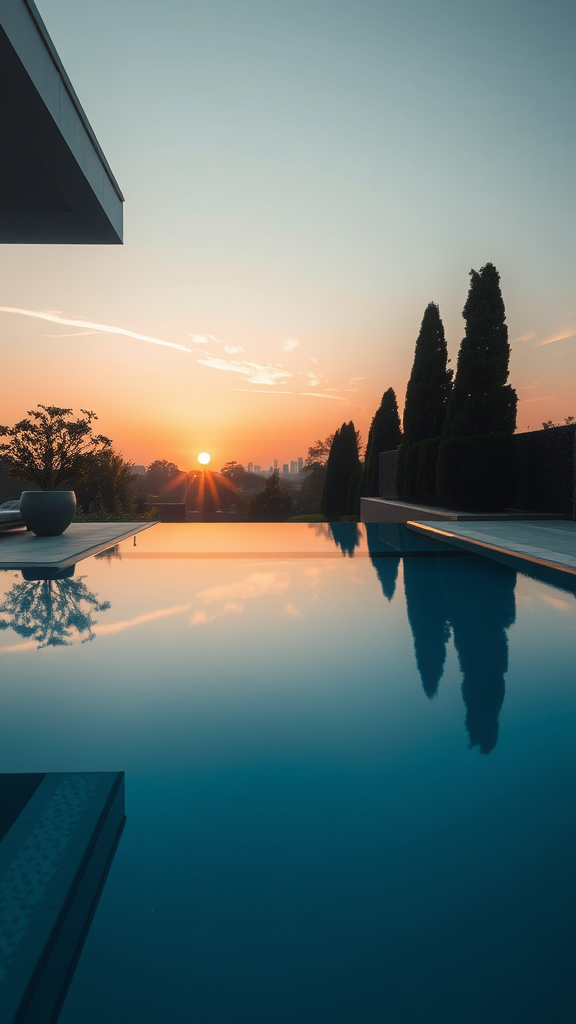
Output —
(48, 513)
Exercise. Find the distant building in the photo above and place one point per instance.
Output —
(285, 469)
(275, 465)
(293, 468)
(138, 470)
(250, 467)
(257, 469)
(300, 464)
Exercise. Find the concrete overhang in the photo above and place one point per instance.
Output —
(55, 183)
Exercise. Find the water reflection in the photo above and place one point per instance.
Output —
(51, 608)
(346, 536)
(428, 618)
(475, 598)
(481, 606)
(385, 563)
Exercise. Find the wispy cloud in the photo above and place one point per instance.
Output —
(561, 336)
(210, 339)
(72, 334)
(545, 398)
(290, 344)
(262, 391)
(525, 387)
(89, 324)
(254, 372)
(525, 337)
(564, 315)
(318, 394)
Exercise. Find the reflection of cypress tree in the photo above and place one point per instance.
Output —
(481, 607)
(386, 566)
(428, 618)
(346, 536)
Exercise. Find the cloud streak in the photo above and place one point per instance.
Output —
(253, 372)
(88, 324)
(561, 336)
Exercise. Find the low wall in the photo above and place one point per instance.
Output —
(545, 473)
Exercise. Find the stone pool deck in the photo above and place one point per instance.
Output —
(20, 549)
(550, 544)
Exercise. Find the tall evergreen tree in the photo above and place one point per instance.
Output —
(475, 460)
(385, 435)
(343, 462)
(424, 410)
(481, 400)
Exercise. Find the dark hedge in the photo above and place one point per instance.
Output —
(544, 470)
(476, 474)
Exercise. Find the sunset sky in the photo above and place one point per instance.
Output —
(301, 178)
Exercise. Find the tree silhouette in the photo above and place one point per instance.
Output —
(343, 462)
(52, 612)
(475, 462)
(424, 410)
(272, 504)
(385, 435)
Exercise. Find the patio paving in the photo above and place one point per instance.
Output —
(551, 544)
(21, 549)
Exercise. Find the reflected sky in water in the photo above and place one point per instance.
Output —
(349, 774)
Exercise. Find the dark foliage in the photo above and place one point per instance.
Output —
(272, 504)
(544, 471)
(482, 405)
(165, 481)
(476, 473)
(427, 397)
(385, 435)
(342, 464)
(105, 488)
(49, 448)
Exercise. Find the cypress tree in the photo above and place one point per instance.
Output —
(424, 410)
(342, 463)
(475, 460)
(385, 435)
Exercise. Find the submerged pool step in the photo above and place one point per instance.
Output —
(61, 833)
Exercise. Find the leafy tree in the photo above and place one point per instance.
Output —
(106, 486)
(234, 471)
(384, 436)
(343, 463)
(427, 396)
(162, 479)
(475, 462)
(272, 504)
(318, 453)
(49, 448)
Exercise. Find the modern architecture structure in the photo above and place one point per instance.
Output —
(56, 185)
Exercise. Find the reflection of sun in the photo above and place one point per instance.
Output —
(203, 458)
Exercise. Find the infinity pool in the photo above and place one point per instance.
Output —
(350, 763)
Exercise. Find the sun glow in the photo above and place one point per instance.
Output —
(203, 458)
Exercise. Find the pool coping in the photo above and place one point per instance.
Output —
(23, 550)
(462, 535)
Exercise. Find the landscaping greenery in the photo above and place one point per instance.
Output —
(425, 407)
(385, 435)
(475, 461)
(49, 448)
(341, 473)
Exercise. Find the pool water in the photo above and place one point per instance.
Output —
(350, 761)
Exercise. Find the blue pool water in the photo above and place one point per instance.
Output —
(349, 774)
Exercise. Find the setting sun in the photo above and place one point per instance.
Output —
(203, 458)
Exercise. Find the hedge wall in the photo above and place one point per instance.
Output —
(544, 464)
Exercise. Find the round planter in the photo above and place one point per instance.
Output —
(48, 513)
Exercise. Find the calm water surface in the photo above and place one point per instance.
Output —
(349, 775)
